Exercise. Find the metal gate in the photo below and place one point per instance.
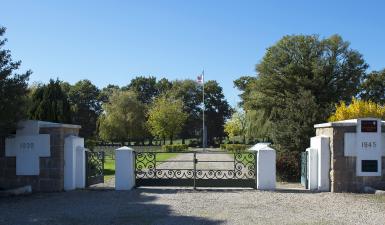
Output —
(94, 168)
(196, 169)
(304, 171)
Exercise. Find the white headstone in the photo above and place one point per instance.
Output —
(28, 146)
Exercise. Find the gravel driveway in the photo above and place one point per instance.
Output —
(219, 161)
(185, 206)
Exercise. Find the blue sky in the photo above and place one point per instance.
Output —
(114, 41)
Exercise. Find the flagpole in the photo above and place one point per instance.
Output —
(204, 109)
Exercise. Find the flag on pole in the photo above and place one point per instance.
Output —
(200, 79)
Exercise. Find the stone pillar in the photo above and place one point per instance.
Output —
(313, 168)
(266, 168)
(80, 176)
(321, 143)
(74, 163)
(124, 168)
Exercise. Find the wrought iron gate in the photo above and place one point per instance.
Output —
(304, 172)
(94, 168)
(196, 169)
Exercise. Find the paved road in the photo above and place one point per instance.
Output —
(185, 206)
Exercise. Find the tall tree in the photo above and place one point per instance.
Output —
(123, 118)
(13, 90)
(243, 84)
(145, 87)
(373, 87)
(257, 125)
(217, 111)
(191, 95)
(163, 86)
(86, 106)
(50, 103)
(300, 79)
(166, 117)
(107, 92)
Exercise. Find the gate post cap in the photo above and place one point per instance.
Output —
(266, 148)
(124, 148)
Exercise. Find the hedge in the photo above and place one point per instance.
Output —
(235, 147)
(175, 148)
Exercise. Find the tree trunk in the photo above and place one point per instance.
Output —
(164, 140)
(183, 141)
(170, 140)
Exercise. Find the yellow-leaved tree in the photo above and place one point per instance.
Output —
(358, 109)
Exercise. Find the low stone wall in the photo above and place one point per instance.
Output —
(343, 169)
(51, 177)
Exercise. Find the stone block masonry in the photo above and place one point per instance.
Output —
(51, 174)
(343, 174)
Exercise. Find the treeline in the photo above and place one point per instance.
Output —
(299, 82)
(142, 111)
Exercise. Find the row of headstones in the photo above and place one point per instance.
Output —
(265, 169)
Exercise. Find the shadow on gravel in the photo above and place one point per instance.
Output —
(93, 207)
(173, 190)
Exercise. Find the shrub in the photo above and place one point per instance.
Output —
(288, 166)
(358, 109)
(175, 147)
(234, 147)
(193, 143)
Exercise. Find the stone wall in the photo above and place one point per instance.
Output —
(343, 169)
(51, 176)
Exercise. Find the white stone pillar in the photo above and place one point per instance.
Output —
(266, 168)
(71, 143)
(80, 176)
(321, 143)
(124, 168)
(312, 168)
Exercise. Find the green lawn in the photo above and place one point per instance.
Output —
(161, 157)
(109, 168)
(245, 160)
(109, 163)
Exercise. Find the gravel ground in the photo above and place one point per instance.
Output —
(185, 206)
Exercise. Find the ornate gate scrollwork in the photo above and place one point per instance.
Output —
(94, 168)
(193, 169)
